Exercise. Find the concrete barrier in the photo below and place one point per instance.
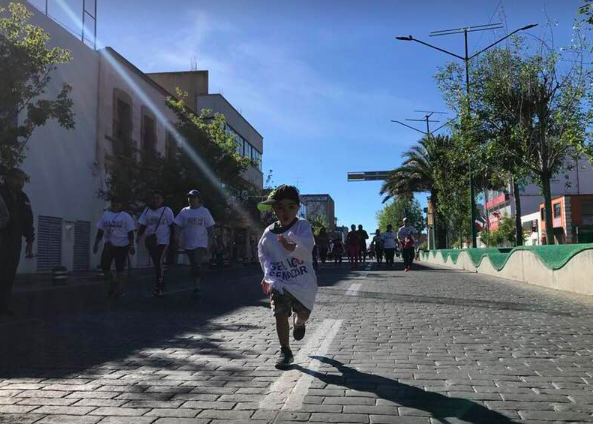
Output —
(569, 268)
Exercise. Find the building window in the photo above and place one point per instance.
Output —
(122, 122)
(556, 210)
(170, 147)
(543, 213)
(148, 131)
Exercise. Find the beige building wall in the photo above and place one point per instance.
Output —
(194, 83)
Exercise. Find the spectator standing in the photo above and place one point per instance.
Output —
(18, 226)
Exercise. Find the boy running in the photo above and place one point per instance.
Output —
(197, 228)
(285, 253)
(116, 228)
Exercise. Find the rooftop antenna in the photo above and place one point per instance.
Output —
(87, 13)
(427, 115)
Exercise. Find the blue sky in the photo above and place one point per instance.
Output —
(320, 80)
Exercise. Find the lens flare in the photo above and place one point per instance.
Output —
(180, 140)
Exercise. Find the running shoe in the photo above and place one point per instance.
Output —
(286, 359)
(298, 331)
(406, 269)
(158, 293)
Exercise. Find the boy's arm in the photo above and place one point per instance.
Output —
(304, 242)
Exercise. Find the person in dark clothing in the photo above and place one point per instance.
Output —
(363, 236)
(20, 224)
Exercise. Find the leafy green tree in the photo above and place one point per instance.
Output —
(417, 174)
(399, 208)
(318, 222)
(528, 107)
(505, 235)
(206, 159)
(26, 64)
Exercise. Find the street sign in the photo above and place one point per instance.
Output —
(368, 176)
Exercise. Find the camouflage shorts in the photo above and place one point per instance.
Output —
(286, 303)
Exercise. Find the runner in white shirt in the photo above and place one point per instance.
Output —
(285, 253)
(156, 223)
(405, 235)
(116, 228)
(389, 245)
(197, 229)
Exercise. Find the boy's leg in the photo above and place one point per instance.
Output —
(283, 330)
(281, 306)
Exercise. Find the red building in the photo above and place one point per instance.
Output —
(572, 218)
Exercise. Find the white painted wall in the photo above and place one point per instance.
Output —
(61, 163)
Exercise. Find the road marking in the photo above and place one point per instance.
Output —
(353, 290)
(288, 392)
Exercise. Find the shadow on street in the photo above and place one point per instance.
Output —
(439, 406)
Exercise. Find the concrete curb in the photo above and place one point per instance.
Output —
(524, 265)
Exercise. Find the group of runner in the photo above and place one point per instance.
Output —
(162, 231)
(384, 244)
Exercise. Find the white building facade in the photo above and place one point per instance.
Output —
(111, 98)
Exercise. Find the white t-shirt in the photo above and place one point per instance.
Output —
(388, 240)
(194, 224)
(150, 219)
(405, 232)
(288, 270)
(116, 226)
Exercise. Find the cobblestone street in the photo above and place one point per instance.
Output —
(430, 346)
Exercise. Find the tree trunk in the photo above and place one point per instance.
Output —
(518, 224)
(487, 223)
(439, 223)
(545, 184)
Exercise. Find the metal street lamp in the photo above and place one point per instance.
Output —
(466, 58)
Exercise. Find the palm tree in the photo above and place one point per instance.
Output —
(416, 175)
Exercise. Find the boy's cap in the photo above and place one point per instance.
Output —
(280, 193)
(193, 193)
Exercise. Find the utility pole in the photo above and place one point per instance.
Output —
(466, 58)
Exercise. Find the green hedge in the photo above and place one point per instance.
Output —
(553, 257)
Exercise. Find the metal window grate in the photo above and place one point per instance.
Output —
(82, 246)
(49, 243)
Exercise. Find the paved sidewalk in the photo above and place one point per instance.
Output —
(429, 346)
